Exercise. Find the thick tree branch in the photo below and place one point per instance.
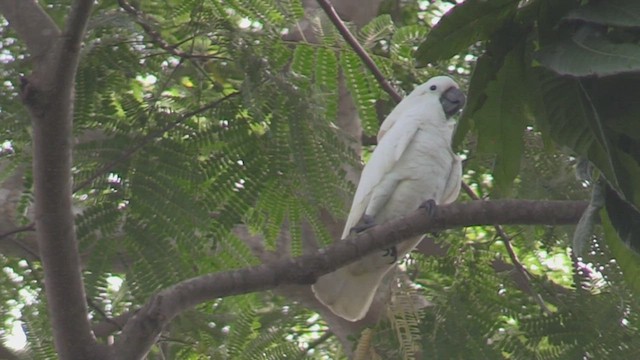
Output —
(32, 24)
(7, 354)
(143, 329)
(48, 95)
(109, 326)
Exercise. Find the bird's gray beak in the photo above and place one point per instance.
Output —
(452, 101)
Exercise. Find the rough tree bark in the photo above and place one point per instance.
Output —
(48, 95)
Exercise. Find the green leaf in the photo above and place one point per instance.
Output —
(629, 179)
(589, 52)
(502, 119)
(462, 26)
(582, 115)
(625, 13)
(377, 29)
(485, 71)
(303, 60)
(583, 234)
(363, 88)
(565, 115)
(628, 260)
(326, 77)
(624, 217)
(404, 41)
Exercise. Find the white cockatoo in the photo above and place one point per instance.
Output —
(412, 165)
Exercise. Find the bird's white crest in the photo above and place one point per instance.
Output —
(412, 163)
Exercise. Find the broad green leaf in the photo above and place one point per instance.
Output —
(629, 178)
(564, 115)
(616, 98)
(625, 13)
(624, 217)
(502, 119)
(589, 52)
(485, 71)
(550, 13)
(583, 234)
(628, 260)
(462, 26)
(577, 113)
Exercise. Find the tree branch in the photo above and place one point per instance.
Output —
(7, 354)
(32, 24)
(355, 45)
(48, 95)
(108, 326)
(524, 276)
(143, 20)
(142, 330)
(28, 227)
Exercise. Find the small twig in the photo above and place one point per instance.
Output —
(102, 314)
(512, 255)
(28, 227)
(25, 248)
(351, 40)
(143, 21)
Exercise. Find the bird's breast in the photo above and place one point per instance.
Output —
(422, 170)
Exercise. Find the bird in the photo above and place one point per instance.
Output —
(412, 166)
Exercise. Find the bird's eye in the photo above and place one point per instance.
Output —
(433, 87)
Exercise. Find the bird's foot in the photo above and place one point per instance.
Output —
(393, 253)
(430, 206)
(365, 223)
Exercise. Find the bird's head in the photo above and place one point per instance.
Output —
(451, 97)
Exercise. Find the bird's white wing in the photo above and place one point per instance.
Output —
(454, 181)
(387, 124)
(396, 114)
(377, 174)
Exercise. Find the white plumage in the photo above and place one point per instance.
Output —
(412, 163)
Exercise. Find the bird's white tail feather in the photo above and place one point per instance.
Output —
(347, 295)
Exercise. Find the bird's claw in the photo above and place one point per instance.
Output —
(430, 206)
(393, 252)
(365, 223)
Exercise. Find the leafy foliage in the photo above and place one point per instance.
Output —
(530, 50)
